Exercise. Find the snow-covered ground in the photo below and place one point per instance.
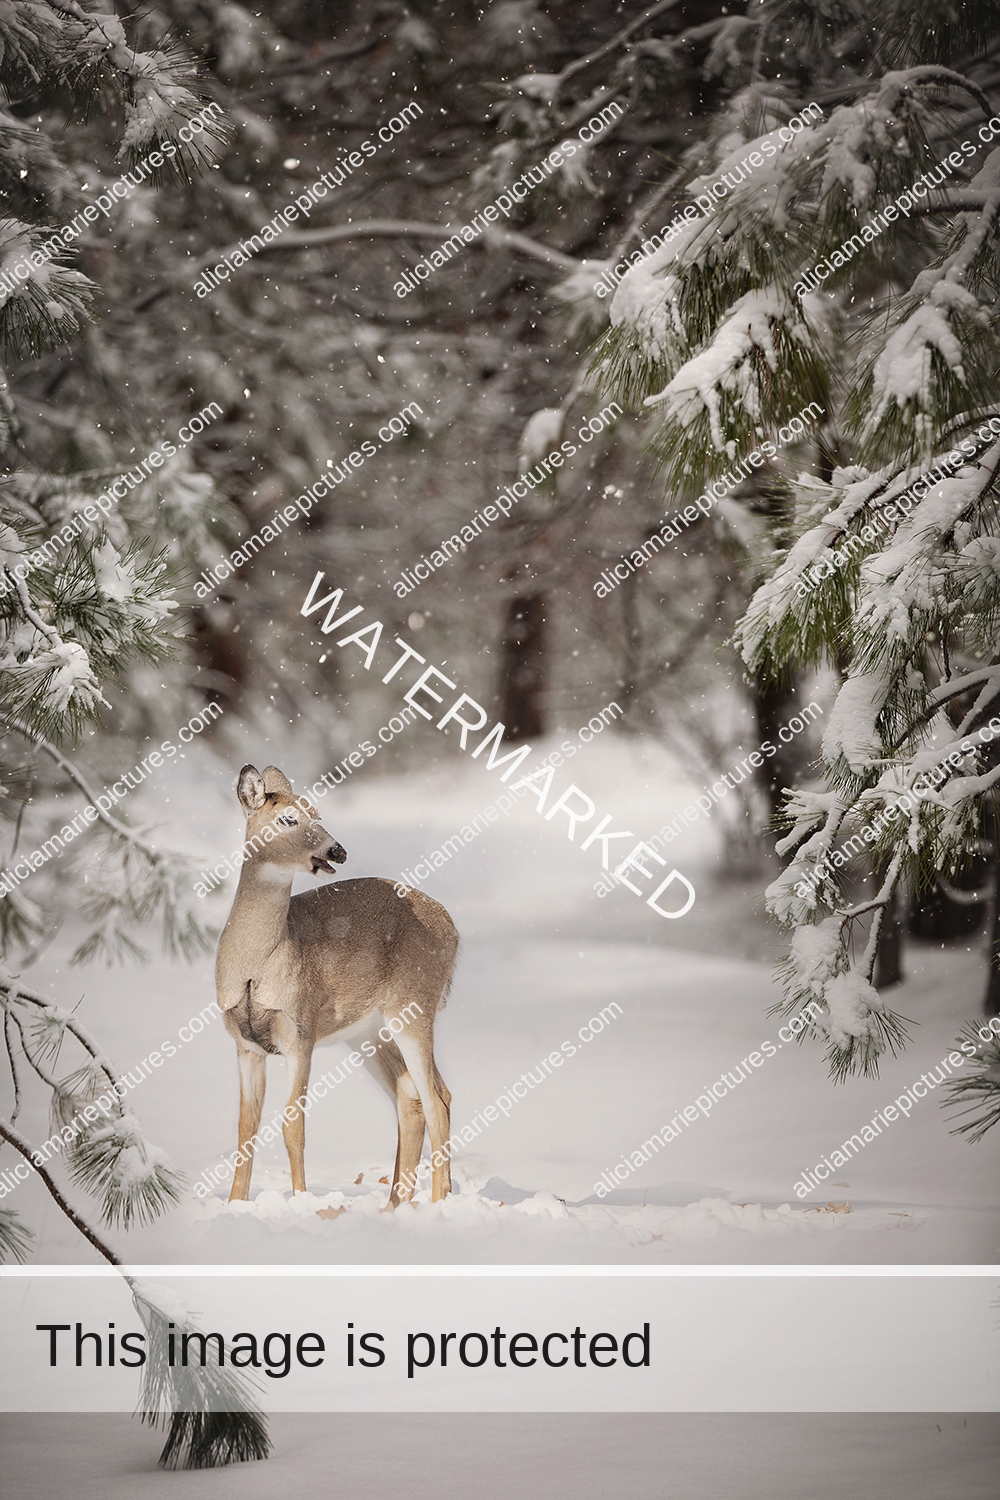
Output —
(542, 955)
(770, 1456)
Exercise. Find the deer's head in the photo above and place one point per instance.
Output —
(283, 829)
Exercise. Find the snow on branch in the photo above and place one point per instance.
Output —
(748, 342)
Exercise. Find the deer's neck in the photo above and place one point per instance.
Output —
(259, 919)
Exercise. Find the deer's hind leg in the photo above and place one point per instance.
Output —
(417, 1049)
(410, 1114)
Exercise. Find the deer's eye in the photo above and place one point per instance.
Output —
(287, 820)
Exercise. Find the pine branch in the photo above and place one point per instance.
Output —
(114, 1162)
(866, 964)
(15, 1237)
(160, 884)
(56, 686)
(211, 1440)
(24, 1148)
(959, 200)
(618, 40)
(211, 1419)
(978, 1091)
(958, 685)
(932, 73)
(982, 703)
(211, 1414)
(48, 631)
(65, 1018)
(36, 1065)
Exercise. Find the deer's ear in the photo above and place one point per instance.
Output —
(250, 789)
(276, 781)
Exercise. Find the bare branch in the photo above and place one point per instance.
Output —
(121, 829)
(304, 239)
(616, 41)
(8, 1019)
(309, 63)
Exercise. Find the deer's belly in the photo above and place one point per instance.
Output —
(340, 1015)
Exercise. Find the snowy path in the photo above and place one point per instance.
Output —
(724, 1191)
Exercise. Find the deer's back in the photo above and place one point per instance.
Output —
(359, 945)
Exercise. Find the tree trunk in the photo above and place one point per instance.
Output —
(523, 668)
(774, 706)
(889, 955)
(220, 654)
(991, 1001)
(938, 919)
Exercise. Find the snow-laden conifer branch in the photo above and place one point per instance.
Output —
(155, 88)
(891, 570)
(24, 1148)
(978, 1090)
(45, 677)
(211, 1414)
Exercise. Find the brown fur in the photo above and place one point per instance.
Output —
(292, 970)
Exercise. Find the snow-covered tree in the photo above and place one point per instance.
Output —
(841, 253)
(86, 591)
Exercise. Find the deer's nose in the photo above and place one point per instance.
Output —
(337, 854)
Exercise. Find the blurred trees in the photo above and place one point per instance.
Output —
(310, 351)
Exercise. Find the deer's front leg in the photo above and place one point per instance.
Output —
(253, 1077)
(293, 1121)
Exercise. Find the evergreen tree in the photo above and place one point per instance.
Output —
(790, 286)
(86, 586)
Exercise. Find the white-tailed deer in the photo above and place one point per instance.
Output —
(292, 970)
